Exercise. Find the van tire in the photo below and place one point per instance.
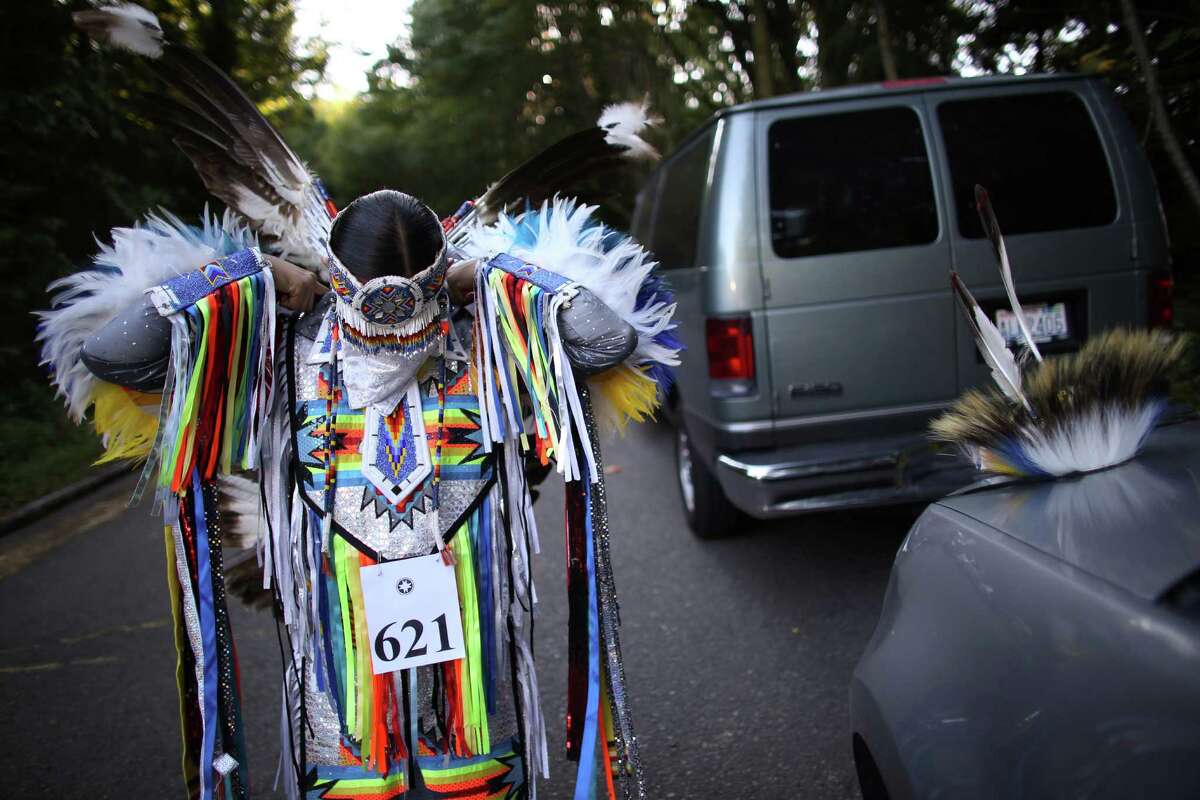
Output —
(709, 513)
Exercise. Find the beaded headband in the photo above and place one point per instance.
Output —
(390, 305)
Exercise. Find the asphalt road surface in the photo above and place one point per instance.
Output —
(738, 652)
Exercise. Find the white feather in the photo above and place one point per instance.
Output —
(1011, 290)
(242, 506)
(1091, 440)
(992, 346)
(127, 26)
(623, 124)
(138, 258)
(300, 240)
(990, 343)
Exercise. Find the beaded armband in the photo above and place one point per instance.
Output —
(543, 279)
(184, 290)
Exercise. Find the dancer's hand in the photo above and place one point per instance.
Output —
(296, 287)
(460, 279)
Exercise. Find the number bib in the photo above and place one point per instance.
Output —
(413, 616)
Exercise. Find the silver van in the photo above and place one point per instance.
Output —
(810, 240)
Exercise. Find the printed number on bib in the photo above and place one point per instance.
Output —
(413, 616)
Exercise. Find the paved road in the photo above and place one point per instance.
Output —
(738, 651)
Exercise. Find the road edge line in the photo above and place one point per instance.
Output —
(19, 518)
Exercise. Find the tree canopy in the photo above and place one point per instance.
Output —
(475, 86)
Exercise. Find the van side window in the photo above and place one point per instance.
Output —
(849, 182)
(1039, 157)
(680, 201)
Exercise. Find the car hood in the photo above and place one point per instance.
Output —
(1136, 525)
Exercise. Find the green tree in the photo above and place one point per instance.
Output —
(481, 85)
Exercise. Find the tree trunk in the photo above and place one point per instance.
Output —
(764, 81)
(220, 36)
(887, 56)
(1162, 120)
(833, 60)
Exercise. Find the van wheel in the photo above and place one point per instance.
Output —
(709, 513)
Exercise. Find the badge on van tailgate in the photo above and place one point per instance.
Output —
(1047, 323)
(811, 389)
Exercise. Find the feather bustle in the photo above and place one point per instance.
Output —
(241, 159)
(612, 143)
(564, 237)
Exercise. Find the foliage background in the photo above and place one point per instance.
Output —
(473, 87)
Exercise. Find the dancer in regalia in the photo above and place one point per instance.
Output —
(372, 448)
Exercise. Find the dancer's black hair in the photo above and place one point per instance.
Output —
(386, 233)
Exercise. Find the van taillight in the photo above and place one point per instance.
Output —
(730, 344)
(1162, 308)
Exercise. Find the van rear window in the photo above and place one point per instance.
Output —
(1039, 157)
(849, 182)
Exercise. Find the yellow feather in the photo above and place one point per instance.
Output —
(627, 395)
(127, 421)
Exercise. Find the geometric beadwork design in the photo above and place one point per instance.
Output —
(390, 303)
(395, 453)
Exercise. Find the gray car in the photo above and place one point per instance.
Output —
(1042, 640)
(810, 239)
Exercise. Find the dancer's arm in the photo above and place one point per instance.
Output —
(132, 350)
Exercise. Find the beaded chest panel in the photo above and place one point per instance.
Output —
(384, 469)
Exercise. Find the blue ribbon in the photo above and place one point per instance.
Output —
(585, 778)
(208, 640)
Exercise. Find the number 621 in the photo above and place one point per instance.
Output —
(387, 648)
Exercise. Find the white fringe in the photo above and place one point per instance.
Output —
(414, 324)
(524, 545)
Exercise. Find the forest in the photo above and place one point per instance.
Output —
(474, 86)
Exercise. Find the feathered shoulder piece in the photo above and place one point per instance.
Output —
(564, 238)
(150, 253)
(1060, 415)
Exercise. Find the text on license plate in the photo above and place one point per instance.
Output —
(1047, 322)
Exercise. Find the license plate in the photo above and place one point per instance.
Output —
(1047, 322)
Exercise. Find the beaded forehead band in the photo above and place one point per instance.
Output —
(389, 304)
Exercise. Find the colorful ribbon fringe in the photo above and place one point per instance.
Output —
(519, 348)
(218, 391)
(520, 355)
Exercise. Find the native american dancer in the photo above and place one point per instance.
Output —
(386, 429)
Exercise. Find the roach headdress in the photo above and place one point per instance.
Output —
(1059, 415)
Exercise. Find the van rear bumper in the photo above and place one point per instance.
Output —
(835, 475)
